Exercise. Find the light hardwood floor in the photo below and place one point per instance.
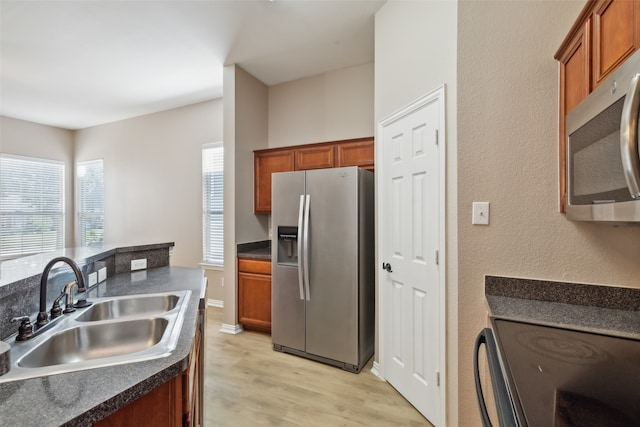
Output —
(249, 384)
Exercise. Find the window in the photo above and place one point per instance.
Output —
(31, 205)
(90, 202)
(212, 202)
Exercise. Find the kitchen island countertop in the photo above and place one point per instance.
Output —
(81, 398)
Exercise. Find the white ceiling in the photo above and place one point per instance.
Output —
(76, 64)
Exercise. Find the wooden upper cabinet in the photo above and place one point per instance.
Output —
(615, 35)
(350, 152)
(267, 162)
(575, 73)
(358, 153)
(315, 157)
(603, 36)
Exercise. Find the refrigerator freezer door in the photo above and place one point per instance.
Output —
(332, 308)
(287, 307)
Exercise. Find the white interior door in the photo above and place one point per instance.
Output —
(411, 229)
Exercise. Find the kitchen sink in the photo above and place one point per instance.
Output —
(113, 331)
(91, 342)
(128, 307)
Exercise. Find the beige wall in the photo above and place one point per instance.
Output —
(416, 53)
(24, 138)
(153, 178)
(507, 145)
(245, 130)
(330, 106)
(496, 59)
(327, 107)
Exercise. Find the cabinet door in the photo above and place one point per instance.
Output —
(355, 154)
(162, 406)
(575, 78)
(315, 157)
(614, 35)
(192, 383)
(254, 301)
(575, 85)
(266, 163)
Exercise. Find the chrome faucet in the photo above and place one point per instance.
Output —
(42, 315)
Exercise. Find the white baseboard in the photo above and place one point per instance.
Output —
(231, 329)
(215, 303)
(375, 370)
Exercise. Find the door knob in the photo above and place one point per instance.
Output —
(387, 266)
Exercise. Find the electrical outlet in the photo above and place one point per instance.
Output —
(480, 213)
(138, 264)
(93, 278)
(102, 274)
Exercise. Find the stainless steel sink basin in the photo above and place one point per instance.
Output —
(113, 331)
(96, 341)
(122, 308)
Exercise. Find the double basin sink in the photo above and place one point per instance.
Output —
(112, 331)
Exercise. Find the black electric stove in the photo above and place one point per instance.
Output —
(561, 378)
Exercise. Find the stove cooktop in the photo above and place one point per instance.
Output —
(566, 378)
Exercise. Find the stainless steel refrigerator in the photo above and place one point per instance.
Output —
(323, 265)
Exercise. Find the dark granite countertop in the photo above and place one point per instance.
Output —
(84, 397)
(255, 250)
(600, 309)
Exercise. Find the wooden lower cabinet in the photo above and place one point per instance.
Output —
(254, 294)
(176, 403)
(161, 407)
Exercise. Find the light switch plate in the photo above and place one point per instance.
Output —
(102, 274)
(138, 264)
(93, 278)
(480, 213)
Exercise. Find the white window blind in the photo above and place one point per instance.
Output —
(31, 205)
(90, 202)
(212, 202)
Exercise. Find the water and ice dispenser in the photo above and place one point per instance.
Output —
(287, 245)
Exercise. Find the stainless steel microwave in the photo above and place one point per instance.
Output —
(603, 162)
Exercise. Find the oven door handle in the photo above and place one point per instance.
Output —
(506, 415)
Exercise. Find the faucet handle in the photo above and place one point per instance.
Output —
(25, 331)
(56, 310)
(68, 291)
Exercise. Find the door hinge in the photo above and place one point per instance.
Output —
(438, 378)
(437, 137)
(437, 257)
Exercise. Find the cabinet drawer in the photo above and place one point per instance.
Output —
(257, 266)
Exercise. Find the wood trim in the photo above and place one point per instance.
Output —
(576, 27)
(315, 144)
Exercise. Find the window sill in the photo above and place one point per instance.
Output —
(214, 267)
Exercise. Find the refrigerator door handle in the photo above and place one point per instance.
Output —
(300, 244)
(305, 244)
